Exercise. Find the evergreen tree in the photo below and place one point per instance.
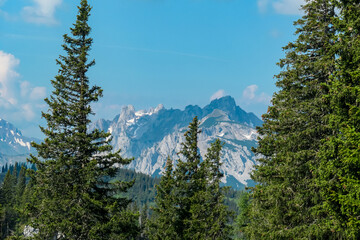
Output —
(8, 188)
(143, 222)
(73, 197)
(339, 173)
(8, 221)
(286, 204)
(163, 224)
(2, 220)
(216, 213)
(14, 173)
(189, 182)
(242, 219)
(189, 201)
(20, 186)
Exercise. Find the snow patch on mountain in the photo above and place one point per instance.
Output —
(13, 145)
(150, 136)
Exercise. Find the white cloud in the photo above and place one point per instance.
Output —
(19, 100)
(286, 7)
(24, 88)
(37, 93)
(249, 92)
(275, 33)
(3, 13)
(33, 93)
(42, 12)
(250, 96)
(27, 112)
(289, 7)
(219, 94)
(262, 5)
(8, 62)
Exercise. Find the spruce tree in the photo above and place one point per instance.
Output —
(10, 215)
(20, 185)
(2, 219)
(144, 222)
(164, 220)
(286, 203)
(189, 182)
(189, 201)
(73, 197)
(339, 173)
(217, 214)
(242, 220)
(8, 188)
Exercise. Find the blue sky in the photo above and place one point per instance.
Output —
(147, 52)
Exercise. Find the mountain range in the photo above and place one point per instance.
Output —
(153, 135)
(14, 147)
(150, 136)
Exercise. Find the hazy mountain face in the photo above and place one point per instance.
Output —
(14, 147)
(151, 136)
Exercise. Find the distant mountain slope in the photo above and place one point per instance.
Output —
(14, 147)
(151, 136)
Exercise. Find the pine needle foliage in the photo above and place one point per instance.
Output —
(286, 203)
(190, 201)
(163, 225)
(339, 173)
(73, 198)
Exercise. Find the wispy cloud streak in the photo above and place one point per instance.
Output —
(166, 52)
(285, 7)
(42, 12)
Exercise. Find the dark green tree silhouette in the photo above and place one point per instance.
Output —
(189, 201)
(163, 224)
(20, 186)
(286, 203)
(242, 220)
(339, 173)
(73, 197)
(211, 201)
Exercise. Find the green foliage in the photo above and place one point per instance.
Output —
(8, 188)
(143, 191)
(8, 220)
(11, 195)
(189, 186)
(242, 219)
(340, 156)
(309, 170)
(20, 186)
(216, 212)
(163, 225)
(189, 200)
(286, 203)
(144, 222)
(72, 196)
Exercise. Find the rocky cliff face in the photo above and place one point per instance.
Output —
(151, 136)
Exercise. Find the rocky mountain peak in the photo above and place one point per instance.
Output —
(7, 128)
(226, 104)
(159, 107)
(12, 142)
(150, 136)
(127, 112)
